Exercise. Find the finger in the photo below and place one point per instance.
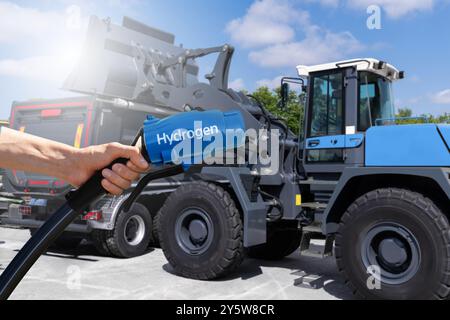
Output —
(131, 166)
(125, 172)
(116, 179)
(111, 188)
(135, 156)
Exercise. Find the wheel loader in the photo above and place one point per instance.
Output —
(375, 192)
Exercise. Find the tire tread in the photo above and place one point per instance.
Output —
(427, 207)
(234, 254)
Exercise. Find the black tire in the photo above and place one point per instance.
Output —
(155, 233)
(128, 245)
(280, 244)
(98, 238)
(406, 236)
(211, 246)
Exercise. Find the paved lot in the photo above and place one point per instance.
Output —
(83, 274)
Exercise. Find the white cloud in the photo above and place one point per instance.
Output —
(22, 24)
(395, 8)
(317, 47)
(237, 84)
(56, 38)
(41, 68)
(326, 3)
(269, 83)
(266, 22)
(442, 97)
(272, 28)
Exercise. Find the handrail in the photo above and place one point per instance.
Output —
(378, 121)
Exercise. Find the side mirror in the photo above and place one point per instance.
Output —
(284, 95)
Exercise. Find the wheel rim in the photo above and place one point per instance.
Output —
(194, 231)
(134, 231)
(394, 250)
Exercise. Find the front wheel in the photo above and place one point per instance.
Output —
(201, 231)
(395, 244)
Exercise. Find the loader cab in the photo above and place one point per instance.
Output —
(344, 100)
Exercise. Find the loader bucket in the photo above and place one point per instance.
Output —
(125, 62)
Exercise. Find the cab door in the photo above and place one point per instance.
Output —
(331, 118)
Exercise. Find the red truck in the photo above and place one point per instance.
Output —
(80, 122)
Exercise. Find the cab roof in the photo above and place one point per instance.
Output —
(365, 64)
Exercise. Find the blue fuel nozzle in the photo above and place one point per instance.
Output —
(186, 139)
(183, 138)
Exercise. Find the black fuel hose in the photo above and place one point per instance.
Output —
(77, 202)
(37, 245)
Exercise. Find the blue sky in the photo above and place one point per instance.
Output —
(38, 40)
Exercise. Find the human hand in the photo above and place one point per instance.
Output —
(94, 158)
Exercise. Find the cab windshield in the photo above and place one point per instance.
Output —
(376, 106)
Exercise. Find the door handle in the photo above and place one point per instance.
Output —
(313, 143)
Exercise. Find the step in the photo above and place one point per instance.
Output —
(314, 205)
(320, 182)
(309, 280)
(308, 249)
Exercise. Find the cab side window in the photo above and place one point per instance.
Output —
(366, 103)
(327, 114)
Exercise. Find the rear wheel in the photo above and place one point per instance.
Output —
(395, 244)
(98, 238)
(155, 233)
(130, 236)
(201, 232)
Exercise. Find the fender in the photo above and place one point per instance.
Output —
(254, 213)
(440, 175)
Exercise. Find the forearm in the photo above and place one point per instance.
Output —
(25, 152)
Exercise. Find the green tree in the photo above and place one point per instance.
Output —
(292, 114)
(423, 118)
(444, 118)
(404, 113)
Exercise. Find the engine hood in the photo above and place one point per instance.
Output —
(444, 129)
(408, 146)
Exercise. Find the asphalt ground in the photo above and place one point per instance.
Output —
(84, 274)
